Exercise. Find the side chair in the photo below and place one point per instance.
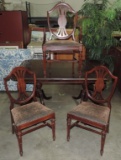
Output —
(27, 114)
(94, 114)
(61, 40)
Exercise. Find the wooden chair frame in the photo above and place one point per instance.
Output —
(29, 115)
(97, 112)
(61, 42)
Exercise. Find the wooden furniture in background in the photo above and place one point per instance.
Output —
(14, 28)
(94, 115)
(18, 44)
(116, 55)
(29, 115)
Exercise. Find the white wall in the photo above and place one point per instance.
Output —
(42, 4)
(76, 4)
(40, 7)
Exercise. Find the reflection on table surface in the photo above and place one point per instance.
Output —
(57, 72)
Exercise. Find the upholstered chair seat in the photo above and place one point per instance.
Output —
(30, 113)
(63, 43)
(89, 111)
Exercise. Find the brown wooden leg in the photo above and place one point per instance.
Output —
(79, 64)
(44, 96)
(82, 95)
(19, 137)
(44, 64)
(79, 96)
(12, 124)
(53, 128)
(40, 93)
(73, 64)
(68, 128)
(102, 143)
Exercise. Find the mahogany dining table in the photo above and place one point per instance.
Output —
(57, 73)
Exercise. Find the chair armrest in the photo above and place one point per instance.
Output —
(39, 30)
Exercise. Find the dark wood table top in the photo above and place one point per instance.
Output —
(57, 72)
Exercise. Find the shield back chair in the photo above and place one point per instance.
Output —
(94, 114)
(27, 114)
(61, 41)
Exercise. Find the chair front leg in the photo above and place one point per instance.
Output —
(103, 137)
(19, 137)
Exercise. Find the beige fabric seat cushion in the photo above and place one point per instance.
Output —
(29, 112)
(63, 43)
(92, 112)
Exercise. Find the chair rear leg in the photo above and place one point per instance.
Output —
(79, 64)
(53, 128)
(68, 128)
(12, 125)
(44, 63)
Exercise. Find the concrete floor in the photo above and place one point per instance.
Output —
(39, 145)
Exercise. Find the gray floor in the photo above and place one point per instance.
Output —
(39, 145)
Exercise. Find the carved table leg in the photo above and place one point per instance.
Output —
(79, 96)
(82, 95)
(40, 93)
(44, 96)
